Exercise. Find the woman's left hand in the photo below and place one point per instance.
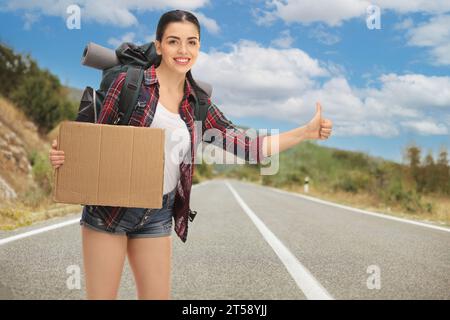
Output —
(318, 128)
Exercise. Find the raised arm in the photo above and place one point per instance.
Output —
(317, 128)
(256, 148)
(243, 144)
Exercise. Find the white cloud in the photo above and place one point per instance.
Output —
(320, 34)
(414, 91)
(284, 41)
(29, 18)
(284, 84)
(150, 38)
(404, 25)
(307, 11)
(434, 34)
(410, 6)
(267, 73)
(210, 24)
(113, 12)
(366, 128)
(263, 17)
(333, 12)
(442, 54)
(108, 12)
(127, 37)
(426, 127)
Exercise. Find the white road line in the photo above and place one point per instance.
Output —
(57, 225)
(375, 214)
(302, 277)
(37, 231)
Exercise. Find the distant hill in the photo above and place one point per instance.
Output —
(75, 94)
(349, 177)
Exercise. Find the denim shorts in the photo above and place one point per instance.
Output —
(136, 222)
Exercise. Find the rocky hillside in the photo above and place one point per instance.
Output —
(19, 138)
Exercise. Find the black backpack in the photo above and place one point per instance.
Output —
(133, 60)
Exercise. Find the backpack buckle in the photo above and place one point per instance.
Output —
(119, 117)
(192, 215)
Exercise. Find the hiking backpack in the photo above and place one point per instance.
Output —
(133, 60)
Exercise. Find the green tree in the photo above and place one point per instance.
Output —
(443, 172)
(37, 92)
(430, 173)
(13, 68)
(41, 97)
(415, 171)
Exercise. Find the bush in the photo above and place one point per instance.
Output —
(353, 182)
(409, 200)
(204, 170)
(352, 159)
(19, 217)
(195, 178)
(42, 171)
(292, 178)
(268, 180)
(34, 197)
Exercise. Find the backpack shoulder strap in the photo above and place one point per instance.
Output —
(202, 100)
(129, 94)
(201, 110)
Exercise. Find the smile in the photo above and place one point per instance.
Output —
(182, 61)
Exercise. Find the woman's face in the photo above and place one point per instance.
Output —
(179, 42)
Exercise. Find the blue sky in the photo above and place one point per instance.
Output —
(382, 88)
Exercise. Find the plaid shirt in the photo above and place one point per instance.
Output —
(243, 145)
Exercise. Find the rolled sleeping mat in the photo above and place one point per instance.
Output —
(99, 57)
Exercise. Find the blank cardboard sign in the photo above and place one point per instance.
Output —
(110, 165)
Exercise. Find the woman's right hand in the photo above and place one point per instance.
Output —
(56, 156)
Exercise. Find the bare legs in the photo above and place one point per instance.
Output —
(104, 257)
(150, 260)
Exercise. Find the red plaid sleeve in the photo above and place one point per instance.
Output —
(246, 144)
(110, 106)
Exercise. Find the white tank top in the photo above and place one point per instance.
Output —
(177, 144)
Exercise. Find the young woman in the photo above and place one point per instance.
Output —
(109, 234)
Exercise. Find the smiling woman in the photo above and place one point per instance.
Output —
(109, 234)
(178, 44)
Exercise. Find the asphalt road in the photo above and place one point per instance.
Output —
(252, 242)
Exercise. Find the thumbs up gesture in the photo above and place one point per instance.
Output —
(318, 128)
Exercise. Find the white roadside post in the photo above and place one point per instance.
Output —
(306, 186)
